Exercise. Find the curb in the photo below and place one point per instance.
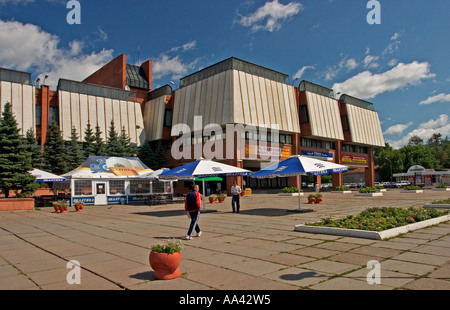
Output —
(367, 234)
(437, 206)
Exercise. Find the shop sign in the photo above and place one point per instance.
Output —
(318, 155)
(354, 159)
(263, 150)
(117, 199)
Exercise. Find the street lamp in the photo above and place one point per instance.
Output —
(390, 162)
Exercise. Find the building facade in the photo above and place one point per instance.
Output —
(234, 111)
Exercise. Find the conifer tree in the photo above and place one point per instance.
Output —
(99, 146)
(55, 152)
(15, 160)
(35, 149)
(76, 154)
(127, 148)
(147, 156)
(89, 139)
(113, 145)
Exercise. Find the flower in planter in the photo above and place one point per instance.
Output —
(169, 248)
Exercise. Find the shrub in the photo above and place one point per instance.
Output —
(365, 190)
(411, 188)
(290, 190)
(342, 188)
(170, 247)
(441, 186)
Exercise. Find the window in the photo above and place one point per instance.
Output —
(282, 139)
(83, 187)
(168, 118)
(318, 144)
(354, 148)
(38, 115)
(53, 115)
(304, 118)
(288, 139)
(117, 187)
(139, 187)
(158, 187)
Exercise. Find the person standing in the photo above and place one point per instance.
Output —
(235, 191)
(192, 206)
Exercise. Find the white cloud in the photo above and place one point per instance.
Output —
(270, 16)
(347, 63)
(367, 85)
(425, 131)
(165, 65)
(370, 61)
(27, 47)
(394, 45)
(397, 129)
(300, 72)
(437, 98)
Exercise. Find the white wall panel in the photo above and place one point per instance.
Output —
(365, 127)
(324, 117)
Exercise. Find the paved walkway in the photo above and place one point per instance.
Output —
(256, 249)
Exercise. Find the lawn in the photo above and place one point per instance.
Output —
(379, 219)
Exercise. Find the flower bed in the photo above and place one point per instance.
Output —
(378, 223)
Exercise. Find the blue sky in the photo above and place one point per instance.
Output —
(401, 65)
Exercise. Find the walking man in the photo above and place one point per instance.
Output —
(235, 191)
(192, 206)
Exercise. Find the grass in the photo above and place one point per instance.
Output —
(379, 219)
(441, 202)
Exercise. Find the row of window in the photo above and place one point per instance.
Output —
(53, 115)
(118, 187)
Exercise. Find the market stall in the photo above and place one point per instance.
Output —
(104, 180)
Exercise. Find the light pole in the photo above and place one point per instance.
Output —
(390, 162)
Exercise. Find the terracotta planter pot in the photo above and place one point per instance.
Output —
(319, 199)
(165, 265)
(57, 210)
(212, 200)
(312, 200)
(79, 208)
(221, 199)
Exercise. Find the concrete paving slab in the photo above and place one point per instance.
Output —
(255, 250)
(407, 267)
(348, 284)
(427, 284)
(298, 276)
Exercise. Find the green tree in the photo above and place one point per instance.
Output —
(153, 154)
(419, 155)
(440, 148)
(388, 158)
(99, 146)
(89, 139)
(147, 156)
(55, 151)
(74, 150)
(127, 149)
(15, 160)
(113, 146)
(35, 149)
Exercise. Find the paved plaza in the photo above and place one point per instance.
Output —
(256, 249)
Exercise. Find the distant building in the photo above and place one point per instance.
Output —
(418, 175)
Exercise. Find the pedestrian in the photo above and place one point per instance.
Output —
(192, 206)
(236, 192)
